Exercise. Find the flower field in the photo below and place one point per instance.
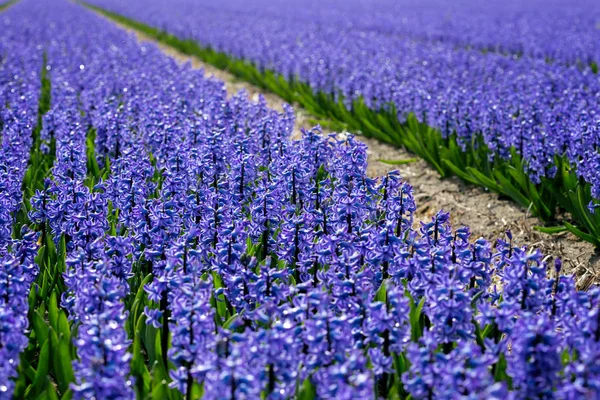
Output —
(521, 120)
(160, 239)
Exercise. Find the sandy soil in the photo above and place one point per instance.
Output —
(486, 214)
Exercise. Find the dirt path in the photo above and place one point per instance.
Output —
(486, 214)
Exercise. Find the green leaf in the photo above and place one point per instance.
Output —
(61, 360)
(514, 193)
(585, 213)
(487, 330)
(26, 369)
(49, 393)
(53, 311)
(44, 286)
(307, 391)
(62, 254)
(565, 356)
(399, 162)
(197, 391)
(159, 350)
(230, 321)
(551, 229)
(32, 298)
(475, 298)
(41, 373)
(24, 372)
(139, 370)
(141, 292)
(67, 395)
(149, 338)
(460, 173)
(582, 235)
(39, 327)
(485, 180)
(381, 294)
(415, 318)
(161, 380)
(479, 338)
(500, 370)
(222, 312)
(64, 328)
(401, 364)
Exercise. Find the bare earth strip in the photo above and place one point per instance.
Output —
(486, 214)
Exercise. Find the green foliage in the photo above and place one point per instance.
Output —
(306, 391)
(94, 174)
(416, 318)
(399, 162)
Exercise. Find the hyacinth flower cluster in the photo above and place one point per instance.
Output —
(97, 289)
(202, 253)
(480, 106)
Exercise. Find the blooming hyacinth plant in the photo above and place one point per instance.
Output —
(176, 243)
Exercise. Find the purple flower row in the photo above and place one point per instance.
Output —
(20, 66)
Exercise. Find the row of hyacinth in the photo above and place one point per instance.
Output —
(561, 31)
(97, 264)
(20, 67)
(557, 30)
(19, 91)
(540, 108)
(272, 268)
